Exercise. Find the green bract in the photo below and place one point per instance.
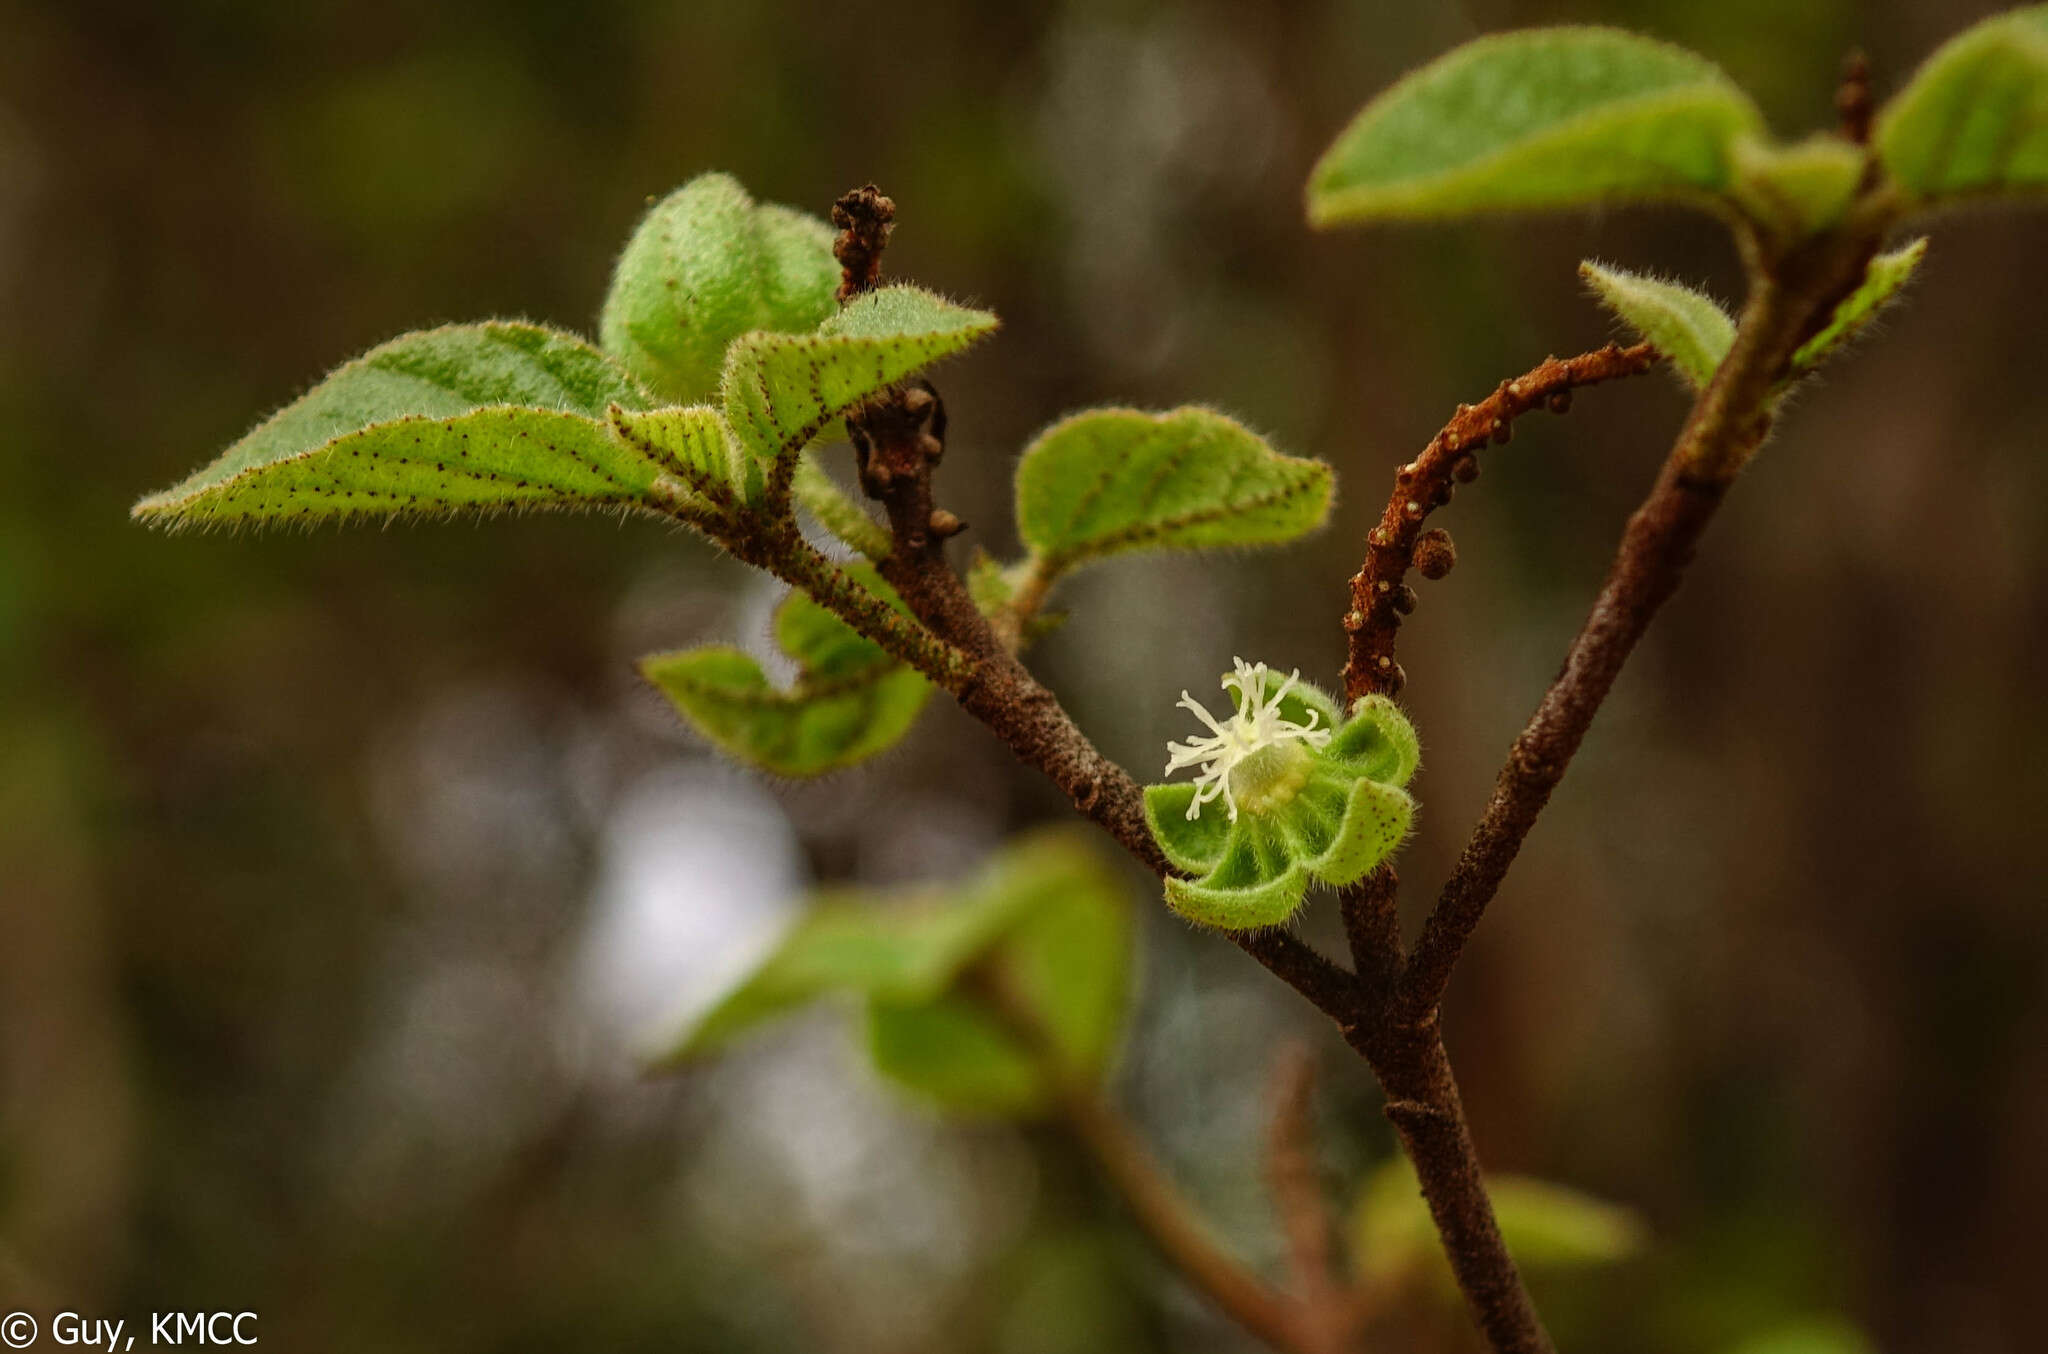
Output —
(1549, 117)
(983, 997)
(1689, 327)
(468, 418)
(1974, 120)
(1288, 795)
(850, 699)
(706, 265)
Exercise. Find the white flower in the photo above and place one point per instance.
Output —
(1257, 726)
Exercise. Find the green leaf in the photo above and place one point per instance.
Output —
(1974, 119)
(1800, 190)
(705, 265)
(1689, 327)
(1113, 480)
(1887, 276)
(1547, 1227)
(1045, 924)
(956, 1054)
(850, 699)
(690, 442)
(1067, 960)
(1548, 117)
(469, 418)
(782, 390)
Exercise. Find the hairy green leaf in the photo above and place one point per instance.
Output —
(850, 699)
(1689, 327)
(1887, 276)
(691, 442)
(1547, 117)
(782, 390)
(1797, 191)
(1547, 1227)
(1974, 119)
(1111, 480)
(707, 264)
(472, 417)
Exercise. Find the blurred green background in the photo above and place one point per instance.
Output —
(342, 873)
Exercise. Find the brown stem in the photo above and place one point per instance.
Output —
(1422, 1101)
(1330, 1308)
(1380, 596)
(899, 438)
(1727, 424)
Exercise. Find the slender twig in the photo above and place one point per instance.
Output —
(1169, 1220)
(1177, 1231)
(1380, 595)
(1331, 1309)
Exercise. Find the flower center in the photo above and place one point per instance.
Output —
(1270, 777)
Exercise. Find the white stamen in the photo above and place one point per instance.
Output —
(1257, 724)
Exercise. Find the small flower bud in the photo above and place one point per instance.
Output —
(1434, 553)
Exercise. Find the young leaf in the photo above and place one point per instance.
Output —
(850, 700)
(1974, 119)
(1687, 326)
(1549, 117)
(1887, 276)
(472, 417)
(1112, 480)
(1546, 1226)
(783, 390)
(1800, 190)
(705, 265)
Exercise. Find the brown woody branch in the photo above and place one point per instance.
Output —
(1380, 595)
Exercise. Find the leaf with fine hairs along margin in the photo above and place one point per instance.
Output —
(1689, 327)
(1886, 277)
(850, 701)
(1543, 118)
(1113, 480)
(1974, 119)
(782, 390)
(468, 418)
(706, 265)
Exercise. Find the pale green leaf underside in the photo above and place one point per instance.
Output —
(1113, 480)
(850, 701)
(1886, 277)
(1547, 1227)
(476, 417)
(1974, 119)
(1550, 117)
(690, 442)
(1688, 327)
(837, 513)
(782, 390)
(705, 265)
